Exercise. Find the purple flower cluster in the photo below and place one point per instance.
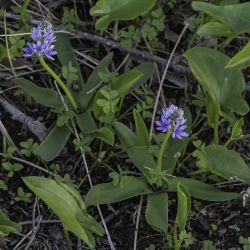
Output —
(43, 38)
(172, 118)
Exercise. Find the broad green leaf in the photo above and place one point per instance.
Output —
(214, 29)
(137, 153)
(184, 205)
(105, 134)
(235, 17)
(201, 190)
(176, 147)
(2, 52)
(109, 193)
(126, 81)
(86, 122)
(157, 211)
(47, 97)
(141, 130)
(7, 226)
(208, 66)
(66, 54)
(112, 10)
(223, 162)
(64, 202)
(92, 84)
(53, 143)
(241, 59)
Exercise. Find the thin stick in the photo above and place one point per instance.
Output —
(30, 164)
(111, 244)
(7, 46)
(137, 223)
(163, 78)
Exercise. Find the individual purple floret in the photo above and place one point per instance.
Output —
(43, 38)
(172, 118)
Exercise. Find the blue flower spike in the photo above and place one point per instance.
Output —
(172, 118)
(43, 37)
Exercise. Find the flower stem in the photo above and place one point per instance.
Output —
(162, 149)
(59, 81)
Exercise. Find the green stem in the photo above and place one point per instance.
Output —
(196, 172)
(59, 81)
(176, 243)
(216, 126)
(68, 241)
(162, 149)
(228, 142)
(24, 8)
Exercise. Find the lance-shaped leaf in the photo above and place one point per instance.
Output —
(7, 226)
(184, 205)
(241, 59)
(47, 97)
(147, 69)
(201, 190)
(126, 81)
(93, 82)
(208, 66)
(235, 16)
(137, 152)
(141, 130)
(112, 10)
(66, 203)
(66, 54)
(223, 162)
(53, 143)
(109, 193)
(157, 211)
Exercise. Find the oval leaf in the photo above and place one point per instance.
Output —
(223, 162)
(235, 16)
(119, 10)
(208, 66)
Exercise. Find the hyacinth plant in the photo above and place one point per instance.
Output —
(43, 44)
(172, 122)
